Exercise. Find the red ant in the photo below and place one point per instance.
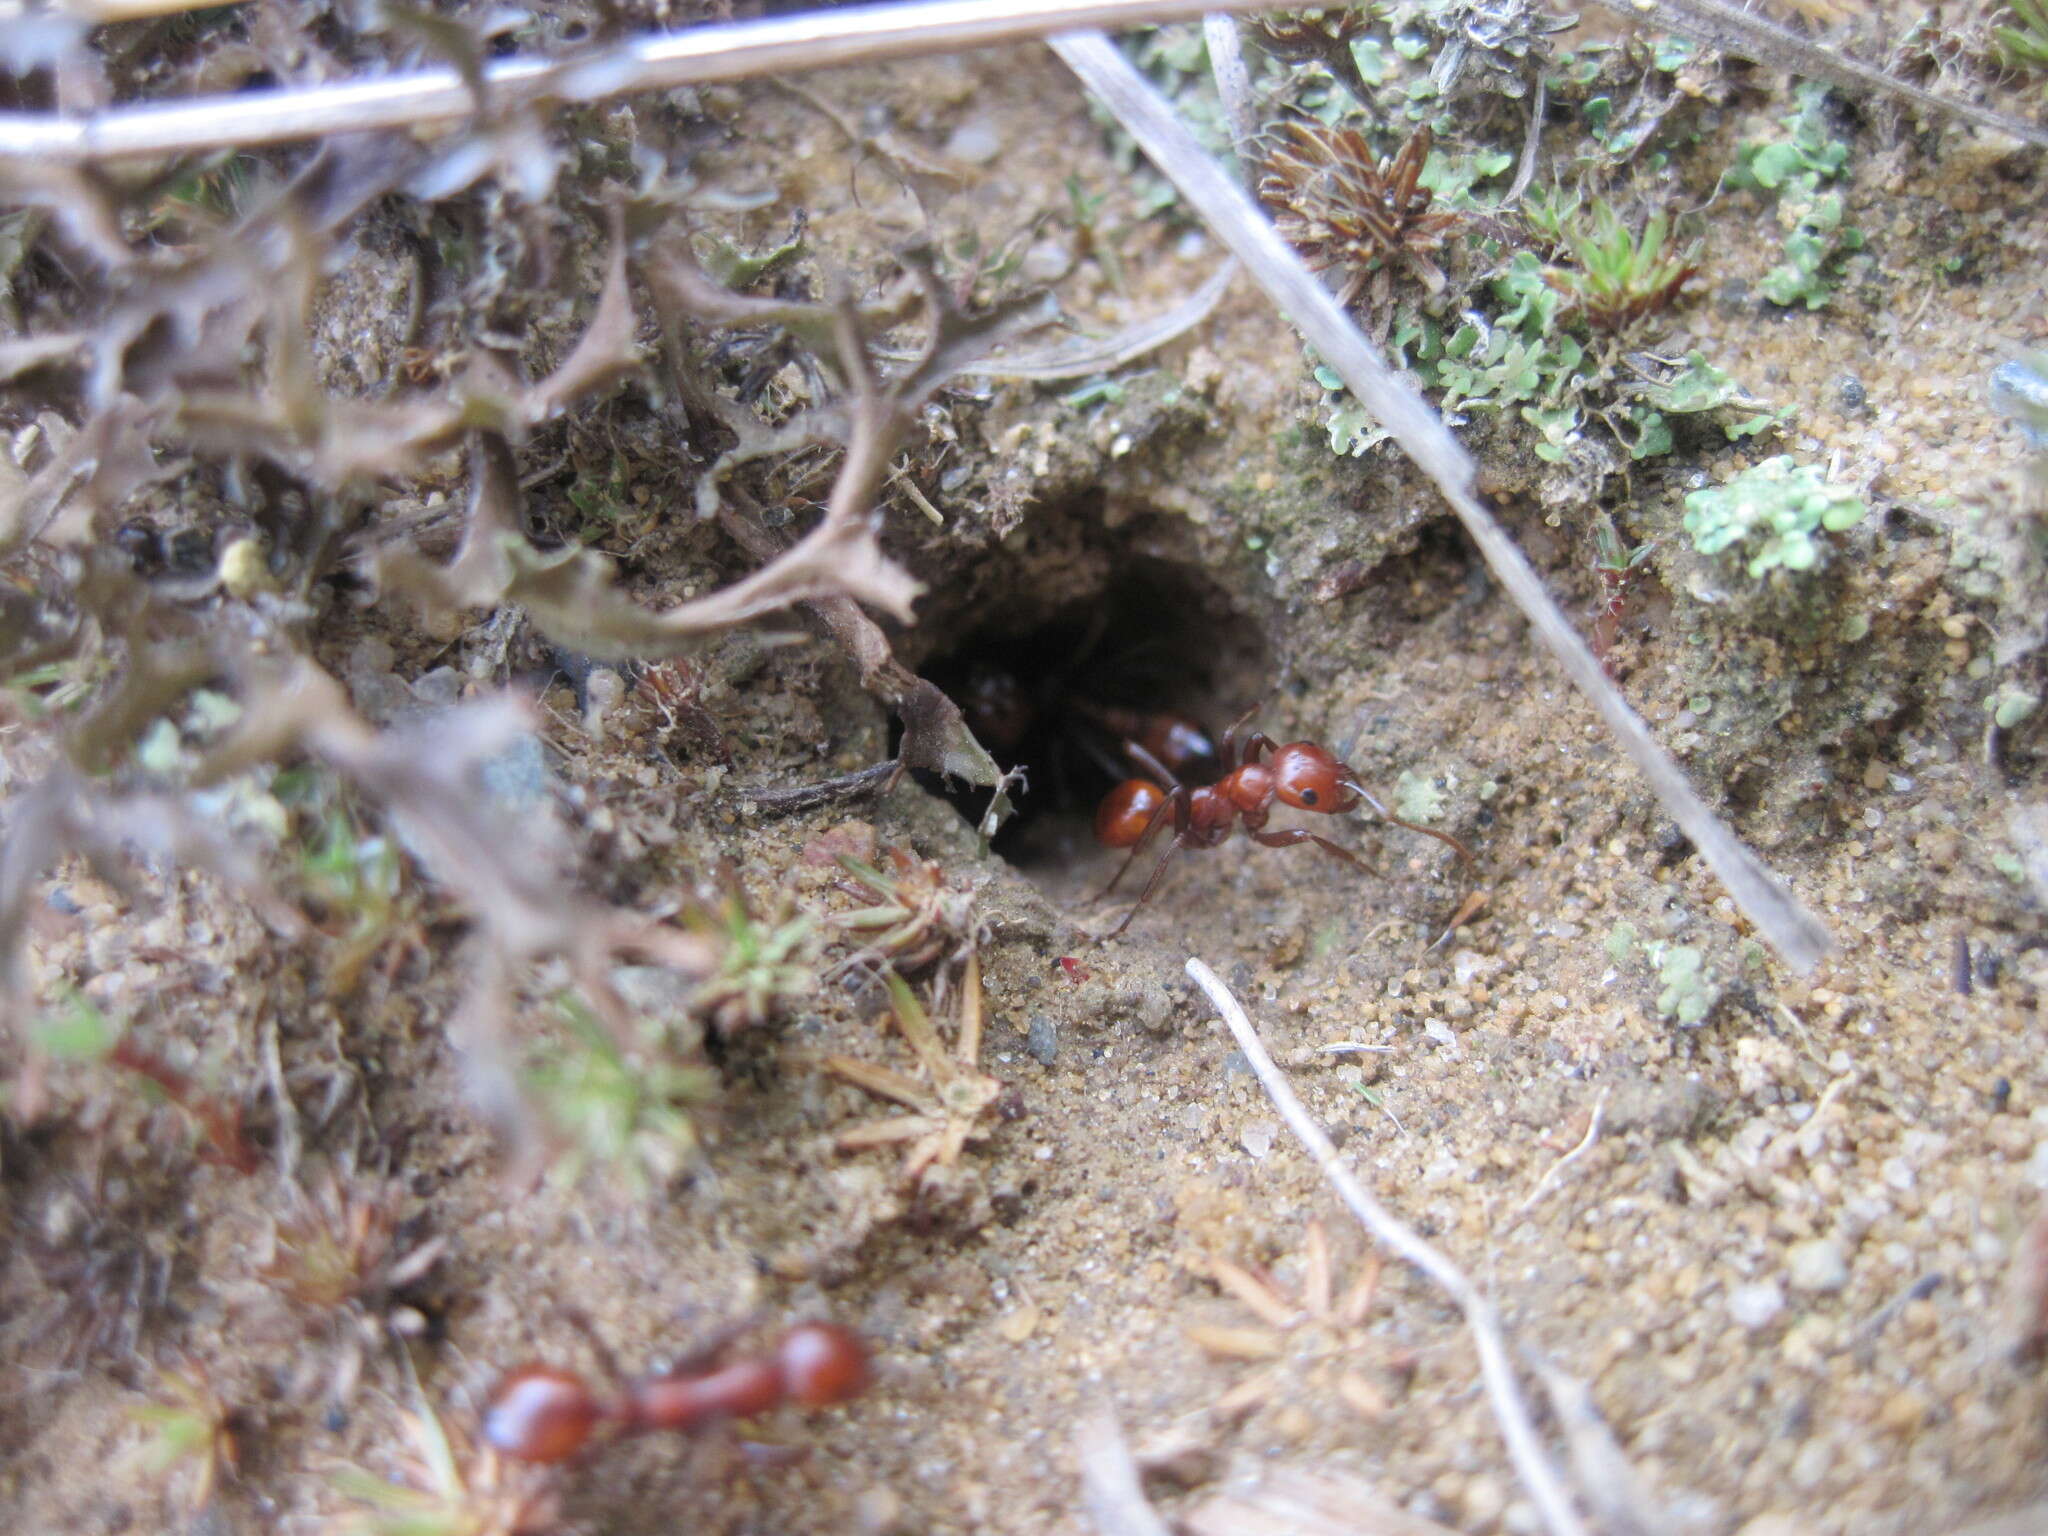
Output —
(1302, 774)
(543, 1413)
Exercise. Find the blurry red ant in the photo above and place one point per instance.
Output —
(542, 1413)
(1302, 774)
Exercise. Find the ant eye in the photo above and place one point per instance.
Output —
(1308, 797)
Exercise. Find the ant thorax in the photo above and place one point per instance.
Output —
(1250, 789)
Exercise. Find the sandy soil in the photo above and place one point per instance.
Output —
(1779, 1262)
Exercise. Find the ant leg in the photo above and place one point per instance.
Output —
(1294, 835)
(1172, 802)
(1232, 753)
(1151, 885)
(1386, 815)
(1152, 768)
(1257, 745)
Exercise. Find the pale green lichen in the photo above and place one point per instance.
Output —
(1418, 798)
(1774, 514)
(1690, 989)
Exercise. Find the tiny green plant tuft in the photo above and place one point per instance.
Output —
(1617, 276)
(2023, 40)
(1344, 208)
(1687, 989)
(187, 1425)
(629, 1110)
(1773, 513)
(763, 964)
(1793, 169)
(451, 1488)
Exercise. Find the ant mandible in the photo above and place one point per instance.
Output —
(1303, 774)
(542, 1413)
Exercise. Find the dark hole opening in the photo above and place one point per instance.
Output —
(1058, 687)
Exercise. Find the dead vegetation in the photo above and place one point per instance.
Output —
(443, 626)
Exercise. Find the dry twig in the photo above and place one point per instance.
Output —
(1109, 1480)
(729, 50)
(1557, 1169)
(1532, 1462)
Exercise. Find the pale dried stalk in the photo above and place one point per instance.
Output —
(1525, 1448)
(1556, 1171)
(815, 39)
(1798, 936)
(1749, 36)
(1109, 1480)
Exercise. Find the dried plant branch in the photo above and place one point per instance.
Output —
(427, 776)
(733, 50)
(1087, 358)
(1621, 1500)
(1233, 84)
(1277, 1500)
(1525, 1447)
(1109, 1480)
(1797, 935)
(1750, 36)
(807, 797)
(1556, 1171)
(573, 595)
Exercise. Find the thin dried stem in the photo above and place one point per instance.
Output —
(811, 39)
(1556, 1171)
(1109, 1480)
(1750, 36)
(1539, 1475)
(1234, 85)
(1797, 935)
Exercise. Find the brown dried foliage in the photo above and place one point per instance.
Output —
(1347, 210)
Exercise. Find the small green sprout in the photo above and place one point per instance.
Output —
(2010, 706)
(1418, 797)
(2024, 43)
(914, 916)
(451, 1489)
(79, 1031)
(358, 877)
(1618, 276)
(187, 1425)
(1799, 162)
(761, 967)
(1774, 512)
(628, 1110)
(1794, 168)
(1818, 242)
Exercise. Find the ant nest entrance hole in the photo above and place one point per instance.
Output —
(1053, 648)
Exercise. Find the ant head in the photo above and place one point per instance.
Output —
(1307, 777)
(539, 1413)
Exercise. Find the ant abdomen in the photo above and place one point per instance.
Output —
(822, 1365)
(1126, 812)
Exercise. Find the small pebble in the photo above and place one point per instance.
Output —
(1817, 1265)
(1756, 1306)
(1042, 1040)
(976, 141)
